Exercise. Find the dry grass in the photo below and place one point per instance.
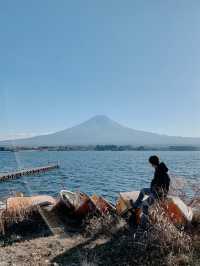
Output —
(164, 231)
(11, 216)
(110, 241)
(103, 225)
(162, 244)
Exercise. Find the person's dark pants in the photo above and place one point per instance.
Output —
(144, 204)
(145, 191)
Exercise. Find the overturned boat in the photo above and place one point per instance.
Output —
(102, 205)
(17, 204)
(123, 204)
(175, 209)
(20, 209)
(78, 204)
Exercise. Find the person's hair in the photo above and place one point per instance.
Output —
(154, 160)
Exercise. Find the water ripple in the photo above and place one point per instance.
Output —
(105, 173)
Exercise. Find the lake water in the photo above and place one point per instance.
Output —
(105, 173)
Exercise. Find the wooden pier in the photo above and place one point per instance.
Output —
(29, 171)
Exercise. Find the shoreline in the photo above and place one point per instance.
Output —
(107, 147)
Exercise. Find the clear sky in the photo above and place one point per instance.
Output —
(62, 62)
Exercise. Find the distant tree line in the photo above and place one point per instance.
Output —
(110, 147)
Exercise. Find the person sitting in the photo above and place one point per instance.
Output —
(158, 189)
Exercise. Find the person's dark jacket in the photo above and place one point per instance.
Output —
(161, 181)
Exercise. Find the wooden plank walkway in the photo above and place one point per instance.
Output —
(29, 171)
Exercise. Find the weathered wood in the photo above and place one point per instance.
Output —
(30, 171)
(52, 221)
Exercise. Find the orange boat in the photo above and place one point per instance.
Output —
(79, 204)
(123, 203)
(102, 205)
(177, 211)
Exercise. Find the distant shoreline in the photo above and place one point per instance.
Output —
(100, 148)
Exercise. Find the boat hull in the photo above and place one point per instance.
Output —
(102, 205)
(175, 209)
(78, 204)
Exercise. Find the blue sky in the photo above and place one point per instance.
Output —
(62, 62)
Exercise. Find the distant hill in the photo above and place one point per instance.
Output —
(102, 130)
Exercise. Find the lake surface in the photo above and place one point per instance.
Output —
(105, 173)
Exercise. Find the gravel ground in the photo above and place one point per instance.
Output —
(37, 252)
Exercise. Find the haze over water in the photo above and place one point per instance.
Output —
(106, 173)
